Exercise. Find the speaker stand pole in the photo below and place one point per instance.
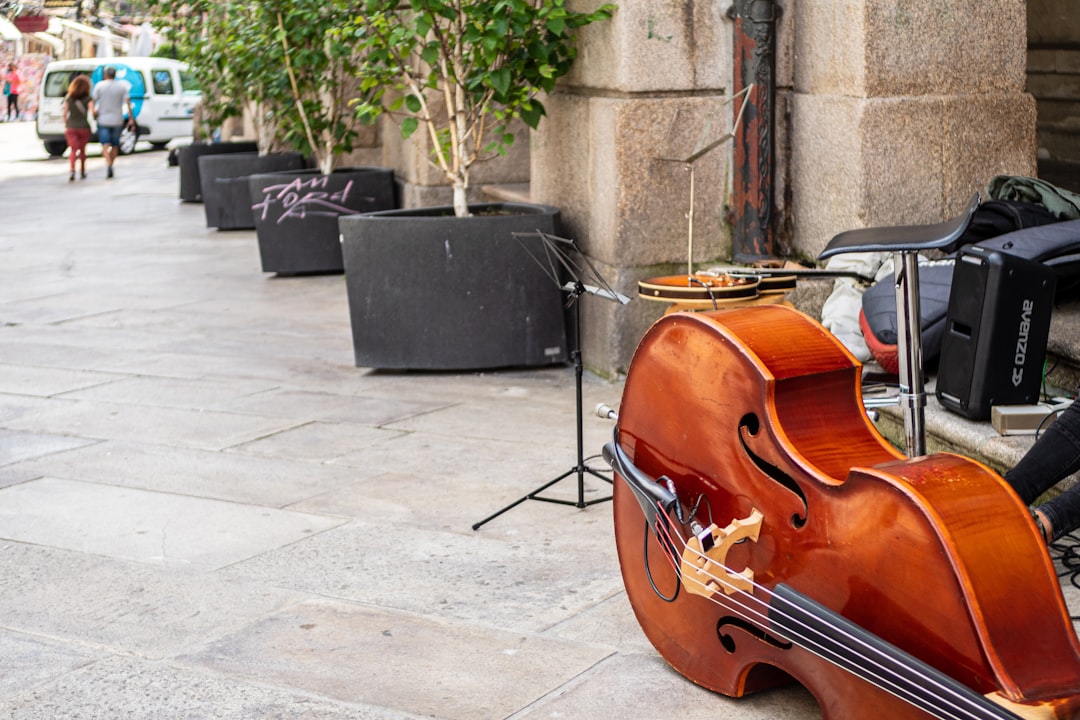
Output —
(581, 469)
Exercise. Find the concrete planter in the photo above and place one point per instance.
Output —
(429, 291)
(224, 182)
(188, 158)
(296, 214)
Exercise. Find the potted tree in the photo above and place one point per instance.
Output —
(459, 72)
(224, 44)
(204, 34)
(296, 211)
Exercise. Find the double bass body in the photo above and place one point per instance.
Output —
(759, 409)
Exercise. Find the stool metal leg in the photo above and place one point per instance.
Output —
(905, 242)
(909, 346)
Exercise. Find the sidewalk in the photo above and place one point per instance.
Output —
(206, 511)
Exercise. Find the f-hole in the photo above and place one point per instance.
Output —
(727, 640)
(749, 426)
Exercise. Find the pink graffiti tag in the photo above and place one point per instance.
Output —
(300, 198)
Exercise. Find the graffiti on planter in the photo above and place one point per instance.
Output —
(301, 198)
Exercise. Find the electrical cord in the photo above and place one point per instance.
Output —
(708, 289)
(1065, 553)
(648, 570)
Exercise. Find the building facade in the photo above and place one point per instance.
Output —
(886, 112)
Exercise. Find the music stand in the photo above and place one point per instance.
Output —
(557, 262)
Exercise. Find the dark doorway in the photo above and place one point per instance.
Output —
(1053, 70)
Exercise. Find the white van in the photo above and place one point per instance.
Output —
(163, 94)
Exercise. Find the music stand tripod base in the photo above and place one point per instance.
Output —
(581, 502)
(585, 280)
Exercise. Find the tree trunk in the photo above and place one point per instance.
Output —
(461, 199)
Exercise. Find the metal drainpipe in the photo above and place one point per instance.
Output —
(755, 63)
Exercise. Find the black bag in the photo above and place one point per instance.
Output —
(998, 217)
(878, 316)
(1048, 240)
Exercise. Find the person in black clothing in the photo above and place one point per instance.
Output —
(1053, 457)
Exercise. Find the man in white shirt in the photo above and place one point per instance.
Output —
(107, 101)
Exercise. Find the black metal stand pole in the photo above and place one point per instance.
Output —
(581, 468)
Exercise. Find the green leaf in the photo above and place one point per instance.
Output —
(531, 113)
(500, 80)
(430, 54)
(408, 127)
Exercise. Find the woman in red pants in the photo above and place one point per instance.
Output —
(77, 122)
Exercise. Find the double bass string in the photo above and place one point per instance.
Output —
(802, 634)
(947, 702)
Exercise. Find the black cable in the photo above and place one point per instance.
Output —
(707, 287)
(1065, 553)
(648, 570)
(1045, 372)
(597, 456)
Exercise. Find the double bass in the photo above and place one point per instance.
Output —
(767, 533)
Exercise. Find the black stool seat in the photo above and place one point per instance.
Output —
(903, 238)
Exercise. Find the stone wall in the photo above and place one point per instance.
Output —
(888, 112)
(902, 110)
(422, 184)
(649, 88)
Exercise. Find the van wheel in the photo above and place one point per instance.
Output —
(128, 138)
(159, 146)
(55, 148)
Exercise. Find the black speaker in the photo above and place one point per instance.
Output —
(995, 332)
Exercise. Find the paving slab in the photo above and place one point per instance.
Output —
(139, 690)
(47, 382)
(632, 686)
(318, 441)
(414, 567)
(149, 527)
(192, 394)
(31, 661)
(17, 446)
(60, 347)
(151, 424)
(270, 482)
(330, 407)
(109, 606)
(426, 666)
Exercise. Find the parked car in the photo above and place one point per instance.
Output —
(163, 94)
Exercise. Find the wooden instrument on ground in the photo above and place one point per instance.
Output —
(766, 531)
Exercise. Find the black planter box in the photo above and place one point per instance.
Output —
(225, 191)
(429, 291)
(188, 158)
(296, 214)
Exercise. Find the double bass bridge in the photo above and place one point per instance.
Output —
(703, 564)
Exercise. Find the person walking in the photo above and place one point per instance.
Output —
(77, 122)
(107, 101)
(12, 88)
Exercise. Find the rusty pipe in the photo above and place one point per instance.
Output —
(754, 141)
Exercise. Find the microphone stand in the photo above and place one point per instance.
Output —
(576, 288)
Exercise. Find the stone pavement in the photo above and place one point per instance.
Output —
(206, 511)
